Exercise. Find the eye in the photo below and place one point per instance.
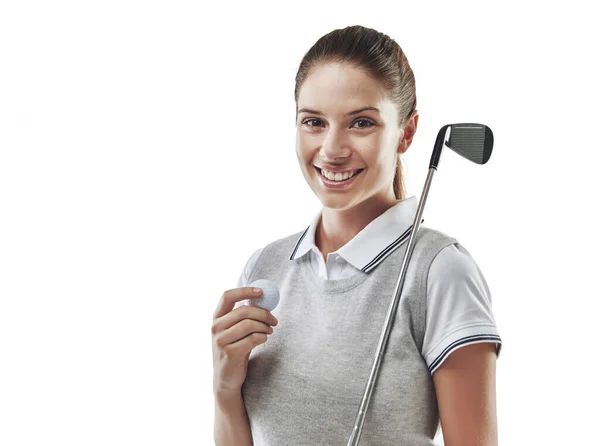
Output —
(371, 123)
(311, 119)
(366, 123)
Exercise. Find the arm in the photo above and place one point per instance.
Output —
(232, 426)
(231, 421)
(465, 385)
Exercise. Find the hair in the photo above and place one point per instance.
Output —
(382, 58)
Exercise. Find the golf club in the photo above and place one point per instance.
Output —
(473, 142)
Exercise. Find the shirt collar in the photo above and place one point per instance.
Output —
(374, 243)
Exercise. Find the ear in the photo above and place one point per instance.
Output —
(408, 132)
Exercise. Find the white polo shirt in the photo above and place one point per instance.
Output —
(459, 302)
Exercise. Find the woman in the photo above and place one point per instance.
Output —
(356, 114)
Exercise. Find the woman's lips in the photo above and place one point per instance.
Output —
(341, 185)
(357, 170)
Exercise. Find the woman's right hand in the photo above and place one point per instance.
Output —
(234, 335)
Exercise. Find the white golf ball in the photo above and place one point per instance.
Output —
(269, 298)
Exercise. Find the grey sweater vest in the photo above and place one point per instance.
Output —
(305, 384)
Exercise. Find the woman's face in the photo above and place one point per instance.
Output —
(331, 119)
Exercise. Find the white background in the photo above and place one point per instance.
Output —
(147, 149)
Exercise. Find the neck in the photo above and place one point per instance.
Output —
(337, 227)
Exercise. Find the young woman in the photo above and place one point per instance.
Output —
(356, 114)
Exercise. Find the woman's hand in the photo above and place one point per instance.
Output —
(234, 335)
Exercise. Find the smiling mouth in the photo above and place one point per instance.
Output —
(356, 173)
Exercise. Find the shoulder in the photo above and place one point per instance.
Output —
(432, 241)
(453, 261)
(454, 266)
(284, 245)
(428, 245)
(431, 235)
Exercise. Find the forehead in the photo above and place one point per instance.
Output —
(336, 86)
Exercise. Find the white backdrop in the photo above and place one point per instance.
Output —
(147, 149)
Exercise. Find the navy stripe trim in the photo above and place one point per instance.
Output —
(465, 340)
(298, 242)
(388, 250)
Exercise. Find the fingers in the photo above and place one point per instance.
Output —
(242, 336)
(235, 332)
(245, 312)
(230, 297)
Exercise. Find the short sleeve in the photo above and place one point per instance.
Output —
(459, 306)
(243, 278)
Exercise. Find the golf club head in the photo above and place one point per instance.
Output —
(471, 141)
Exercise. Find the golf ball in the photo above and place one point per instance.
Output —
(269, 299)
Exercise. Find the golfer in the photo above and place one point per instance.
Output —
(296, 376)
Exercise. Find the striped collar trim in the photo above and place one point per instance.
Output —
(374, 243)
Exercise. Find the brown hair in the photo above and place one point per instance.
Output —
(381, 57)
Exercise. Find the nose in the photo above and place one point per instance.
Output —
(334, 146)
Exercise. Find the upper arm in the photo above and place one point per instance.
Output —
(465, 386)
(459, 306)
(460, 347)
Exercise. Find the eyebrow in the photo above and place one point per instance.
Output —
(316, 112)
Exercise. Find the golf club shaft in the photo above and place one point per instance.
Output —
(391, 315)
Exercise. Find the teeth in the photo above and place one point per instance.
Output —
(337, 176)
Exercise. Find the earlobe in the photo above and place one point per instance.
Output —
(402, 147)
(401, 143)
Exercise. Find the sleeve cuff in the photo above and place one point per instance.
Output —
(459, 338)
